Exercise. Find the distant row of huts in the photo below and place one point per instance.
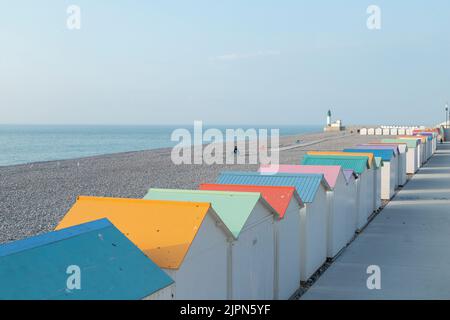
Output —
(250, 235)
(394, 131)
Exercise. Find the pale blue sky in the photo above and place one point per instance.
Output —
(223, 61)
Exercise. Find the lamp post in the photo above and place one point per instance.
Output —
(446, 115)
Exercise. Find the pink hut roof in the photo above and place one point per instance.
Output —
(331, 173)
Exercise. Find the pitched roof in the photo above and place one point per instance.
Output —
(401, 147)
(433, 131)
(385, 154)
(331, 173)
(35, 268)
(423, 133)
(410, 143)
(421, 138)
(379, 161)
(278, 197)
(427, 135)
(357, 163)
(348, 173)
(369, 155)
(234, 208)
(306, 185)
(163, 230)
(394, 148)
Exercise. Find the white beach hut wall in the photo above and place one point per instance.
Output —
(389, 174)
(412, 156)
(312, 189)
(364, 182)
(287, 202)
(341, 201)
(188, 240)
(251, 253)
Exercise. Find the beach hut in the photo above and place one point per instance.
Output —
(350, 176)
(401, 131)
(252, 252)
(378, 165)
(187, 240)
(360, 165)
(378, 131)
(421, 147)
(363, 131)
(341, 201)
(351, 179)
(394, 131)
(425, 148)
(389, 176)
(369, 203)
(430, 142)
(435, 139)
(312, 189)
(428, 149)
(91, 261)
(371, 131)
(287, 203)
(402, 149)
(432, 136)
(395, 160)
(386, 131)
(412, 155)
(419, 150)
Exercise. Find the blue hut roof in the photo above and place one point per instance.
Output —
(384, 154)
(111, 266)
(305, 184)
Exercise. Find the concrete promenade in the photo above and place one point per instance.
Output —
(409, 240)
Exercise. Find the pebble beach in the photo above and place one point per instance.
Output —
(34, 197)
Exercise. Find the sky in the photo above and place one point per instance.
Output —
(224, 62)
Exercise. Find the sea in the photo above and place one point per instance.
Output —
(20, 144)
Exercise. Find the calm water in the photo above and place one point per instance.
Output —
(31, 143)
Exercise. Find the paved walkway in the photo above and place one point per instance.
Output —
(409, 240)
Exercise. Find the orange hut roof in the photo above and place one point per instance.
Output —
(163, 230)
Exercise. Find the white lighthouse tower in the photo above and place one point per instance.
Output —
(333, 126)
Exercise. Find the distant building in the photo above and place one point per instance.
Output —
(333, 126)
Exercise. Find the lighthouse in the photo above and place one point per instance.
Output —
(333, 126)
